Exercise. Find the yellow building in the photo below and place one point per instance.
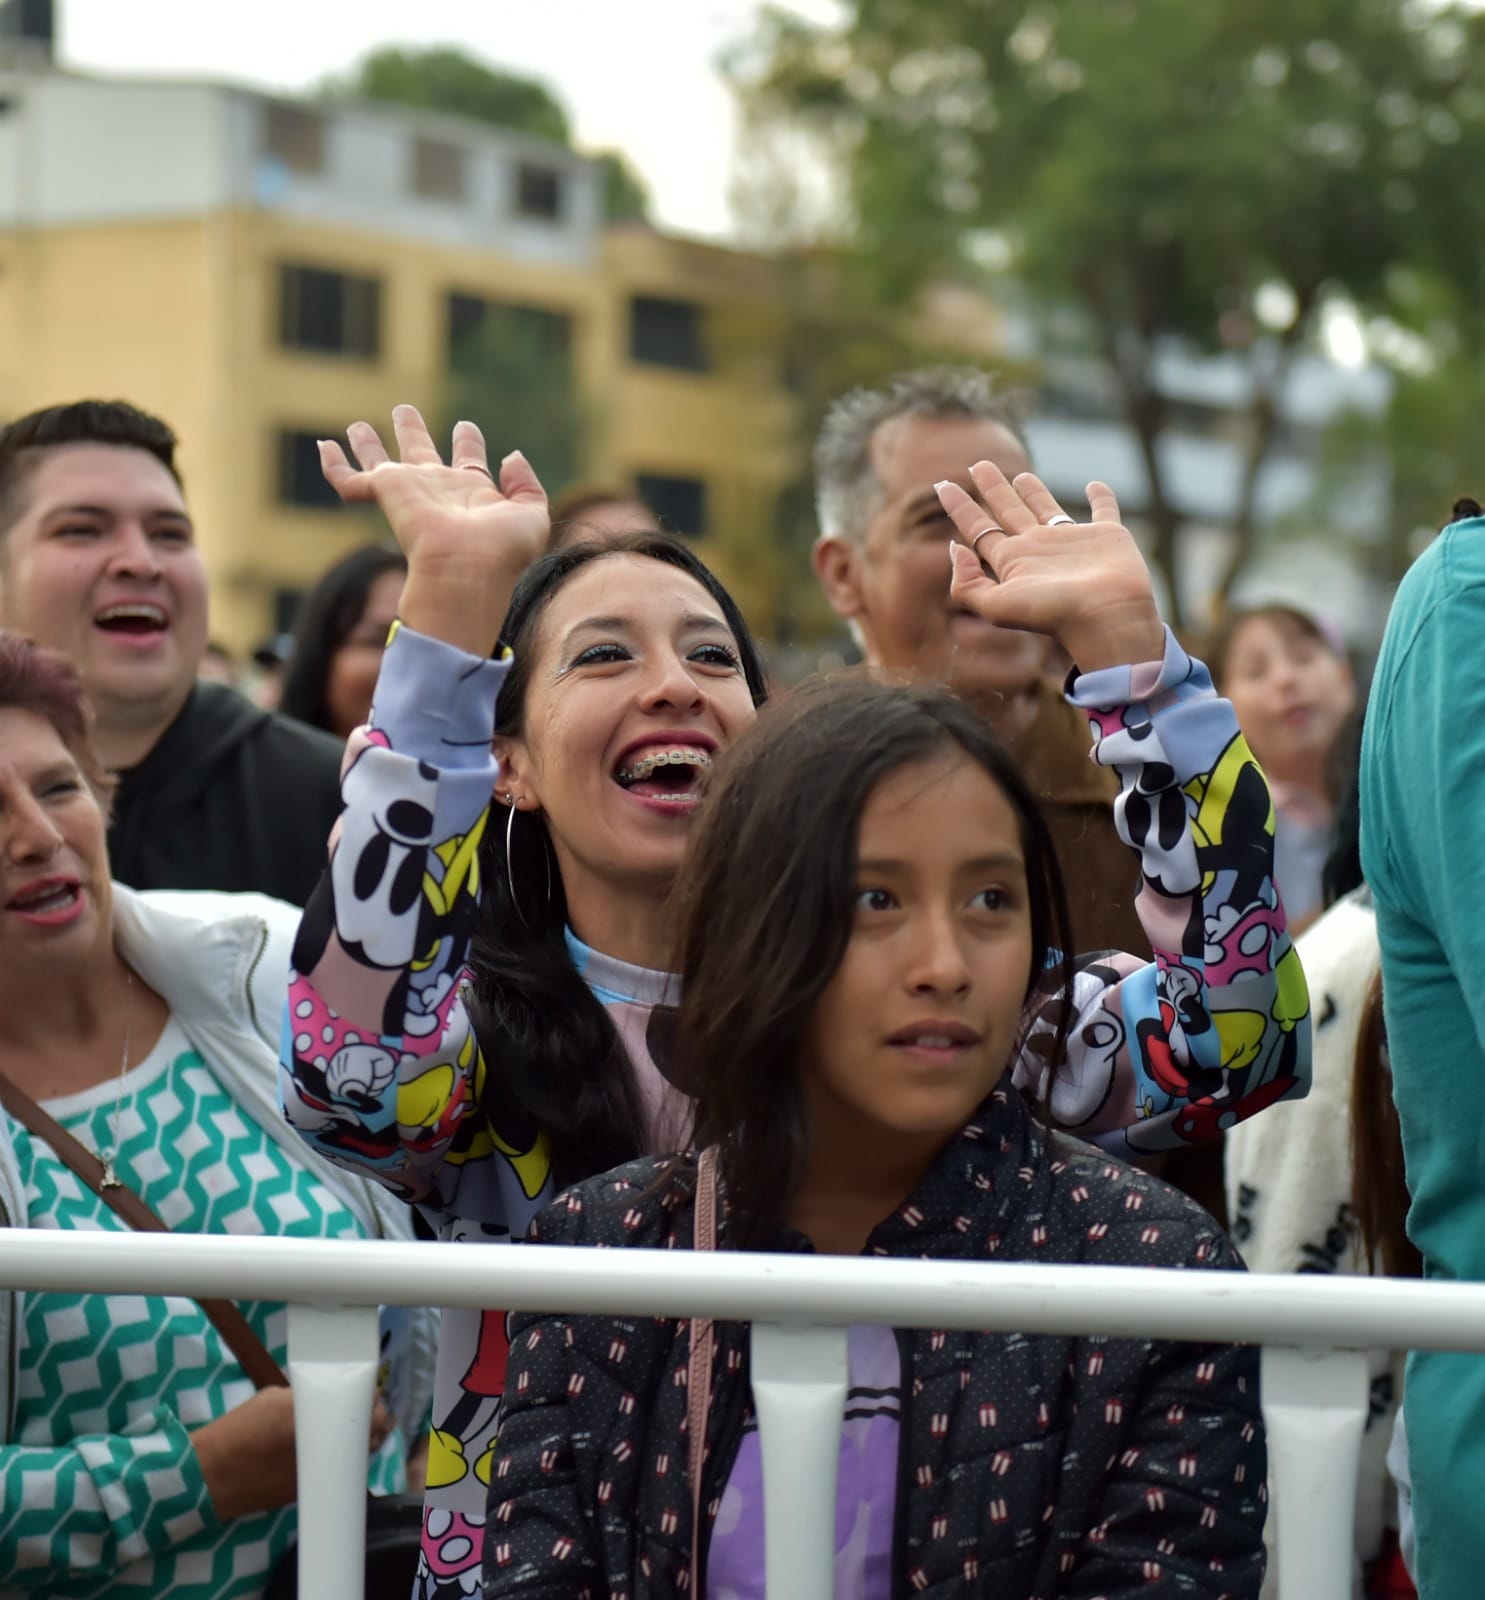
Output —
(262, 272)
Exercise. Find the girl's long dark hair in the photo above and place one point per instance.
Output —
(327, 616)
(551, 1051)
(766, 903)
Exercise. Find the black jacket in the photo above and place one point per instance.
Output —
(231, 797)
(1029, 1468)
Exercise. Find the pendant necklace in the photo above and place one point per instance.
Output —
(110, 1178)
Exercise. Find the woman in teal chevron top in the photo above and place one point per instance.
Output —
(136, 1458)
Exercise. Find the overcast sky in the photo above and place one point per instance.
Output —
(636, 75)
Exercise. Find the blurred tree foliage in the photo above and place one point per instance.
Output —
(1430, 432)
(513, 374)
(1154, 162)
(444, 79)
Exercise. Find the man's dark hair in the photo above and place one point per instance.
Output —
(113, 422)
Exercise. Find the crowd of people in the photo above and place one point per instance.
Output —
(533, 909)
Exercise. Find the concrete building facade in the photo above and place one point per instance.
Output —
(261, 272)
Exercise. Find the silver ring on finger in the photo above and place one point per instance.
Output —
(989, 527)
(1061, 518)
(476, 466)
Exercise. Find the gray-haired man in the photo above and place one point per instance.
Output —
(882, 560)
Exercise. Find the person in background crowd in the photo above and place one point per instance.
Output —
(218, 665)
(598, 511)
(137, 1458)
(1422, 765)
(1317, 1186)
(1292, 688)
(519, 998)
(339, 637)
(271, 661)
(98, 559)
(880, 557)
(871, 910)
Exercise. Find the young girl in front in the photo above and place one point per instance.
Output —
(871, 919)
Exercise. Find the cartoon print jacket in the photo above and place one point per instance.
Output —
(381, 1071)
(1044, 1466)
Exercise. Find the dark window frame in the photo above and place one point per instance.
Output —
(464, 315)
(664, 332)
(294, 135)
(329, 312)
(440, 169)
(540, 192)
(300, 485)
(680, 504)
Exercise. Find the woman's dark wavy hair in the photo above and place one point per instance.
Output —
(766, 904)
(327, 616)
(551, 1050)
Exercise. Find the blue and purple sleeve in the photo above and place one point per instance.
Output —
(1173, 1051)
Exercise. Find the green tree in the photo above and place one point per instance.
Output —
(1429, 434)
(443, 78)
(1156, 163)
(513, 375)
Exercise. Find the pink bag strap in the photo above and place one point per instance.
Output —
(699, 1372)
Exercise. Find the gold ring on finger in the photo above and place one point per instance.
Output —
(477, 466)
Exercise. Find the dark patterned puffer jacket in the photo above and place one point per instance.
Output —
(1030, 1467)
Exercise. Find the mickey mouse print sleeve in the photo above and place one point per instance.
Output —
(1174, 1051)
(379, 1068)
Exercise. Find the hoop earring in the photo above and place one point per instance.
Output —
(510, 860)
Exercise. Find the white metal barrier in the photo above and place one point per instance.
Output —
(1313, 1329)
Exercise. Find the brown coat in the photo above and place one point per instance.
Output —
(1102, 873)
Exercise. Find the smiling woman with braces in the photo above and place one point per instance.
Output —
(519, 976)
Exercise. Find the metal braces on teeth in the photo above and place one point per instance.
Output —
(687, 757)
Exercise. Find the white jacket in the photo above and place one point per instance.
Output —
(1289, 1182)
(221, 963)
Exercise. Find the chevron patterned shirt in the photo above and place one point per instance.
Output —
(102, 1494)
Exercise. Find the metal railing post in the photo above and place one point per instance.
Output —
(799, 1397)
(1314, 1409)
(333, 1352)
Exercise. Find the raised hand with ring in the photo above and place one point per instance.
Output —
(1085, 584)
(468, 534)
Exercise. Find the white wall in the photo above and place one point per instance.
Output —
(90, 151)
(366, 183)
(78, 150)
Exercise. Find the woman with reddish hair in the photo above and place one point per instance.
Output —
(136, 1456)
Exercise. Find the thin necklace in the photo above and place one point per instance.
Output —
(110, 1178)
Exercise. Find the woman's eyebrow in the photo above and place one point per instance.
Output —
(597, 625)
(57, 772)
(692, 620)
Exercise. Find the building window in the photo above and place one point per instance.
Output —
(295, 136)
(471, 317)
(539, 192)
(300, 481)
(438, 169)
(333, 313)
(667, 333)
(679, 503)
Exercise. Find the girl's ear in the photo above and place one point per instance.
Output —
(515, 775)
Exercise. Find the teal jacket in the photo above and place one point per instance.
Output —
(1423, 852)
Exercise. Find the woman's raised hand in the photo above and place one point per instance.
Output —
(1025, 564)
(467, 534)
